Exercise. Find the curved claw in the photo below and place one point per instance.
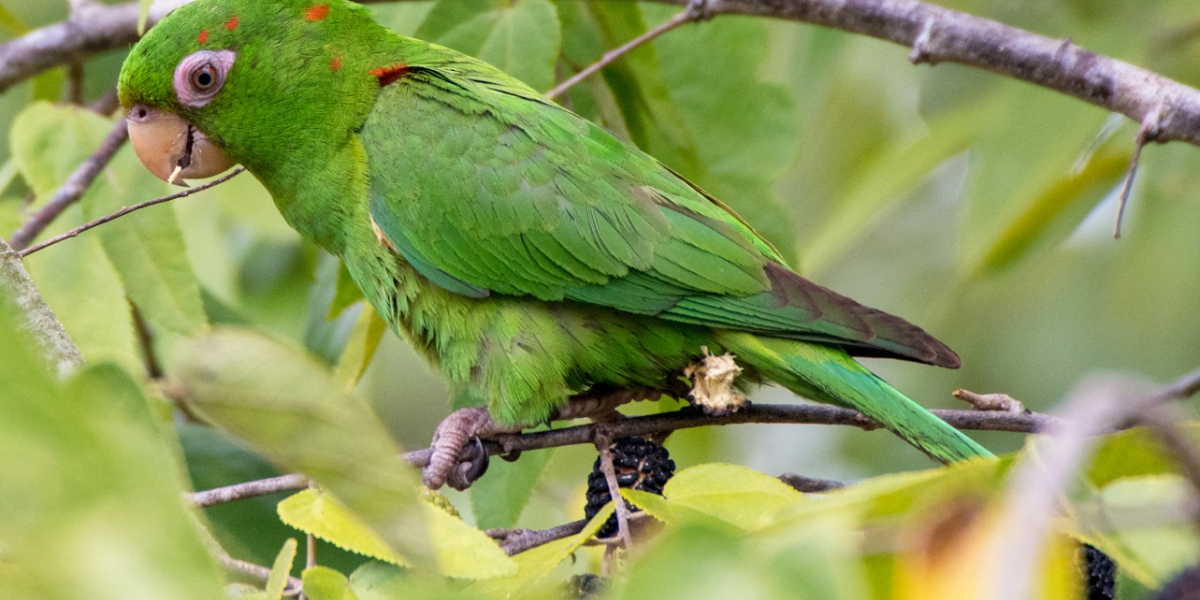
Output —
(473, 462)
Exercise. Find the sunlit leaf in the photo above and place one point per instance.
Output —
(281, 569)
(535, 564)
(323, 516)
(323, 583)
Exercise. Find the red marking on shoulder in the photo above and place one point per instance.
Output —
(203, 37)
(232, 23)
(389, 74)
(336, 64)
(316, 13)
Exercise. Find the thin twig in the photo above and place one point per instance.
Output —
(249, 489)
(603, 443)
(257, 572)
(516, 541)
(128, 209)
(73, 188)
(1147, 132)
(991, 402)
(612, 55)
(934, 33)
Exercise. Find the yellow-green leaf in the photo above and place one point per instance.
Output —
(323, 583)
(360, 348)
(320, 514)
(462, 551)
(535, 564)
(732, 493)
(281, 569)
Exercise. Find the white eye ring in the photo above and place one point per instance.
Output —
(201, 75)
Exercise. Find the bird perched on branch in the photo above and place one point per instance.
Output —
(528, 253)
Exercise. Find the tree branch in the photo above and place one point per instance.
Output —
(933, 33)
(811, 414)
(249, 489)
(58, 350)
(132, 208)
(74, 187)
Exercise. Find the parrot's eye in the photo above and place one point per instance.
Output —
(199, 76)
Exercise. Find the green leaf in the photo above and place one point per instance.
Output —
(1056, 211)
(535, 564)
(741, 496)
(91, 488)
(888, 177)
(323, 583)
(146, 248)
(462, 551)
(360, 348)
(521, 38)
(143, 15)
(745, 130)
(281, 569)
(321, 515)
(1143, 523)
(15, 26)
(1134, 453)
(499, 498)
(291, 409)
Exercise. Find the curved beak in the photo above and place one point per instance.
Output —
(172, 148)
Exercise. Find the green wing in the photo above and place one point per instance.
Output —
(485, 187)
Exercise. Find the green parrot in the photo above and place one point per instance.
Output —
(529, 254)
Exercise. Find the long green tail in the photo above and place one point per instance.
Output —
(829, 375)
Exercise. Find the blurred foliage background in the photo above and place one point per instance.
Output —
(978, 207)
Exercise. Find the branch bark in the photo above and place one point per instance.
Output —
(57, 348)
(1168, 109)
(74, 187)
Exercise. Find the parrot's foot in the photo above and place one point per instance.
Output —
(455, 460)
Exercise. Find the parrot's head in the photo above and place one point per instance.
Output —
(220, 82)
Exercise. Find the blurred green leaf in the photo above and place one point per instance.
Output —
(499, 498)
(745, 129)
(1055, 212)
(535, 564)
(1144, 523)
(143, 15)
(360, 348)
(887, 178)
(1134, 453)
(14, 25)
(292, 410)
(522, 38)
(323, 583)
(281, 569)
(90, 489)
(146, 248)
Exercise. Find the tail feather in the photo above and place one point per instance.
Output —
(828, 374)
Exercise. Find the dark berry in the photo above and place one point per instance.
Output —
(1100, 571)
(639, 464)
